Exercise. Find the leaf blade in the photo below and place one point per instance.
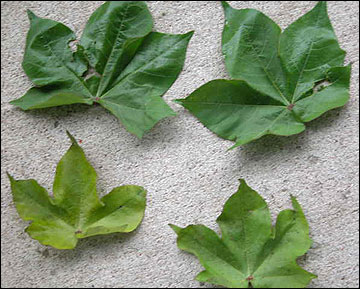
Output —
(282, 69)
(123, 210)
(48, 96)
(74, 185)
(234, 111)
(48, 59)
(209, 249)
(249, 44)
(138, 115)
(333, 96)
(245, 219)
(112, 36)
(76, 212)
(262, 257)
(308, 48)
(159, 60)
(136, 97)
(290, 242)
(34, 204)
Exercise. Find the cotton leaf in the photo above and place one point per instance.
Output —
(274, 76)
(75, 210)
(250, 252)
(119, 63)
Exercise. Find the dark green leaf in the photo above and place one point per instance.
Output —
(135, 98)
(250, 252)
(275, 76)
(75, 210)
(235, 111)
(109, 37)
(119, 63)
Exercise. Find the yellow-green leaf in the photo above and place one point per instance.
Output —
(75, 211)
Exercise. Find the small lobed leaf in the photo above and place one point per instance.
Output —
(250, 253)
(75, 211)
(275, 75)
(119, 63)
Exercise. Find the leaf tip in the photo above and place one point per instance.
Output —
(321, 5)
(242, 182)
(31, 15)
(225, 5)
(313, 276)
(10, 177)
(72, 139)
(232, 147)
(293, 199)
(296, 205)
(175, 228)
(190, 33)
(237, 144)
(179, 101)
(16, 102)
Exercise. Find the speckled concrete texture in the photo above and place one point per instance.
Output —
(187, 170)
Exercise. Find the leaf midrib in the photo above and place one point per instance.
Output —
(127, 106)
(100, 89)
(275, 247)
(213, 254)
(49, 210)
(141, 67)
(79, 79)
(120, 207)
(232, 104)
(306, 62)
(268, 75)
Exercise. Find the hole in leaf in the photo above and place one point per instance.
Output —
(73, 45)
(320, 85)
(90, 72)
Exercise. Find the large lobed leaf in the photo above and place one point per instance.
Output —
(275, 76)
(250, 252)
(131, 67)
(75, 211)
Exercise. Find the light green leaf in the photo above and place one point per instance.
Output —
(119, 63)
(249, 253)
(75, 210)
(275, 74)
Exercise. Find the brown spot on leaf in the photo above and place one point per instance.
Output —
(250, 278)
(78, 232)
(291, 106)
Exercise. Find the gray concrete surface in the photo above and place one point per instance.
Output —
(187, 170)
